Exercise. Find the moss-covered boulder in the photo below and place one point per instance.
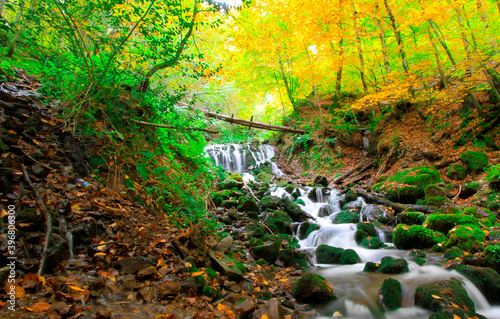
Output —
(468, 238)
(328, 255)
(293, 210)
(229, 203)
(474, 161)
(441, 294)
(293, 258)
(445, 222)
(494, 177)
(228, 184)
(370, 267)
(453, 252)
(408, 185)
(349, 257)
(248, 205)
(306, 228)
(313, 288)
(236, 177)
(415, 237)
(359, 235)
(278, 222)
(226, 266)
(411, 218)
(270, 202)
(369, 228)
(255, 230)
(389, 265)
(269, 251)
(434, 190)
(485, 279)
(371, 243)
(390, 295)
(485, 217)
(456, 172)
(456, 313)
(346, 217)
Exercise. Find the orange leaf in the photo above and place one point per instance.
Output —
(76, 288)
(196, 274)
(42, 306)
(436, 297)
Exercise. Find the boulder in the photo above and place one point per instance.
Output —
(312, 288)
(224, 244)
(226, 265)
(485, 279)
(371, 243)
(411, 218)
(270, 202)
(269, 252)
(293, 210)
(474, 161)
(389, 265)
(372, 212)
(346, 217)
(445, 222)
(349, 257)
(468, 238)
(455, 313)
(456, 172)
(249, 205)
(369, 228)
(390, 295)
(244, 306)
(169, 289)
(442, 294)
(453, 252)
(292, 257)
(229, 203)
(415, 237)
(271, 309)
(306, 228)
(320, 180)
(328, 255)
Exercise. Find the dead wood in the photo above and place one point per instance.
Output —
(396, 206)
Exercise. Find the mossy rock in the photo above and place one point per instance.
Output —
(328, 255)
(474, 161)
(435, 201)
(371, 267)
(456, 172)
(494, 177)
(468, 238)
(57, 251)
(483, 215)
(415, 237)
(29, 216)
(253, 215)
(293, 210)
(211, 292)
(419, 261)
(248, 205)
(325, 210)
(485, 279)
(270, 202)
(236, 177)
(445, 222)
(456, 313)
(228, 184)
(229, 203)
(449, 292)
(390, 295)
(418, 253)
(346, 217)
(369, 228)
(398, 192)
(389, 265)
(312, 288)
(279, 222)
(263, 177)
(293, 257)
(307, 228)
(255, 230)
(411, 218)
(453, 252)
(359, 235)
(269, 252)
(226, 266)
(349, 257)
(371, 243)
(434, 190)
(300, 201)
(218, 198)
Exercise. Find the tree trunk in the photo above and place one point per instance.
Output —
(20, 26)
(438, 58)
(2, 3)
(315, 89)
(399, 40)
(381, 35)
(442, 41)
(360, 51)
(288, 88)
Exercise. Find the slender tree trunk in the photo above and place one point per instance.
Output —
(2, 3)
(442, 41)
(20, 25)
(315, 89)
(438, 58)
(381, 35)
(287, 85)
(338, 79)
(360, 51)
(399, 40)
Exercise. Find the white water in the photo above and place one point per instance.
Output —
(357, 290)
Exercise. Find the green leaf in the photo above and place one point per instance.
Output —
(143, 171)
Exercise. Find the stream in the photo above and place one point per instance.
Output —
(357, 291)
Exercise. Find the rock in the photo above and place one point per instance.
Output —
(389, 265)
(357, 140)
(372, 212)
(448, 292)
(415, 237)
(168, 289)
(39, 171)
(453, 253)
(474, 161)
(244, 306)
(269, 252)
(321, 180)
(224, 244)
(148, 273)
(456, 172)
(349, 257)
(292, 257)
(455, 313)
(306, 228)
(293, 210)
(328, 255)
(371, 243)
(468, 238)
(411, 218)
(369, 228)
(103, 314)
(147, 293)
(271, 309)
(434, 190)
(229, 203)
(230, 184)
(134, 264)
(445, 222)
(494, 177)
(57, 250)
(279, 222)
(325, 210)
(270, 202)
(390, 295)
(359, 235)
(248, 205)
(226, 266)
(128, 282)
(312, 288)
(485, 279)
(346, 217)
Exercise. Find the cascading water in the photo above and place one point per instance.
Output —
(358, 290)
(241, 158)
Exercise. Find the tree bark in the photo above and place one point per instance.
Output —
(381, 35)
(20, 26)
(396, 206)
(288, 88)
(399, 39)
(360, 51)
(438, 58)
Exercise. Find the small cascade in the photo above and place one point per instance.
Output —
(358, 290)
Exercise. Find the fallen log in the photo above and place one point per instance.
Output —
(356, 178)
(396, 206)
(363, 167)
(176, 128)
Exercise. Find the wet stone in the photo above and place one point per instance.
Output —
(147, 293)
(134, 264)
(272, 309)
(169, 289)
(148, 273)
(224, 244)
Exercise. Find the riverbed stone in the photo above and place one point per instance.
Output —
(346, 217)
(279, 222)
(390, 295)
(249, 205)
(328, 255)
(389, 265)
(371, 243)
(415, 237)
(441, 294)
(225, 265)
(224, 244)
(485, 279)
(292, 257)
(270, 202)
(456, 172)
(271, 309)
(411, 218)
(456, 313)
(372, 212)
(474, 161)
(359, 235)
(321, 180)
(134, 264)
(269, 252)
(468, 238)
(168, 289)
(244, 306)
(293, 210)
(229, 203)
(312, 288)
(306, 228)
(349, 257)
(445, 222)
(369, 228)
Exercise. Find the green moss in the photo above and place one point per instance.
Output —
(349, 257)
(391, 294)
(389, 265)
(269, 252)
(425, 295)
(300, 202)
(468, 238)
(415, 237)
(236, 177)
(313, 288)
(411, 218)
(453, 252)
(369, 228)
(211, 292)
(211, 273)
(419, 261)
(306, 228)
(494, 177)
(485, 279)
(240, 266)
(359, 235)
(371, 243)
(456, 313)
(483, 215)
(370, 267)
(292, 257)
(456, 172)
(474, 161)
(435, 201)
(328, 255)
(445, 222)
(346, 217)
